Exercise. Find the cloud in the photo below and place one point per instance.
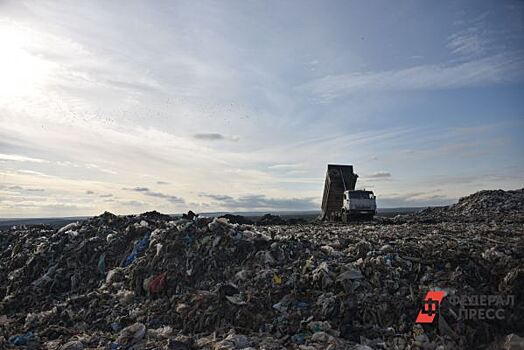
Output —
(20, 158)
(133, 203)
(20, 188)
(474, 130)
(466, 44)
(89, 166)
(214, 137)
(218, 197)
(414, 199)
(379, 175)
(455, 150)
(170, 198)
(68, 164)
(286, 166)
(147, 192)
(134, 86)
(496, 69)
(262, 202)
(479, 36)
(99, 168)
(137, 189)
(34, 204)
(473, 40)
(162, 183)
(100, 195)
(209, 136)
(32, 172)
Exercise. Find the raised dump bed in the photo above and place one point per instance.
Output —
(339, 178)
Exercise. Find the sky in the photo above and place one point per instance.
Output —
(130, 106)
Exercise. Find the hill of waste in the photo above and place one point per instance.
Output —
(493, 205)
(152, 281)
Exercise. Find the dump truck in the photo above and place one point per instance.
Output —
(341, 202)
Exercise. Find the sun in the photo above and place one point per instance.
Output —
(22, 72)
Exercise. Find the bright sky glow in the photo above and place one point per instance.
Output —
(22, 73)
(130, 106)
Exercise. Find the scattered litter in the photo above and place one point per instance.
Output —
(153, 281)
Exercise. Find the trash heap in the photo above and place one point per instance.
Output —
(494, 205)
(152, 281)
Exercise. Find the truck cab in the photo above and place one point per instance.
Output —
(358, 204)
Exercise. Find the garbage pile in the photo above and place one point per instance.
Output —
(270, 219)
(493, 205)
(237, 219)
(152, 281)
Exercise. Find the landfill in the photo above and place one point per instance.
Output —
(154, 281)
(495, 205)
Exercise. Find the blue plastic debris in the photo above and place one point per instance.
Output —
(302, 305)
(102, 263)
(116, 326)
(188, 240)
(298, 338)
(21, 340)
(139, 247)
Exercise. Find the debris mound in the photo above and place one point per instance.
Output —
(488, 205)
(270, 219)
(490, 202)
(153, 281)
(237, 219)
